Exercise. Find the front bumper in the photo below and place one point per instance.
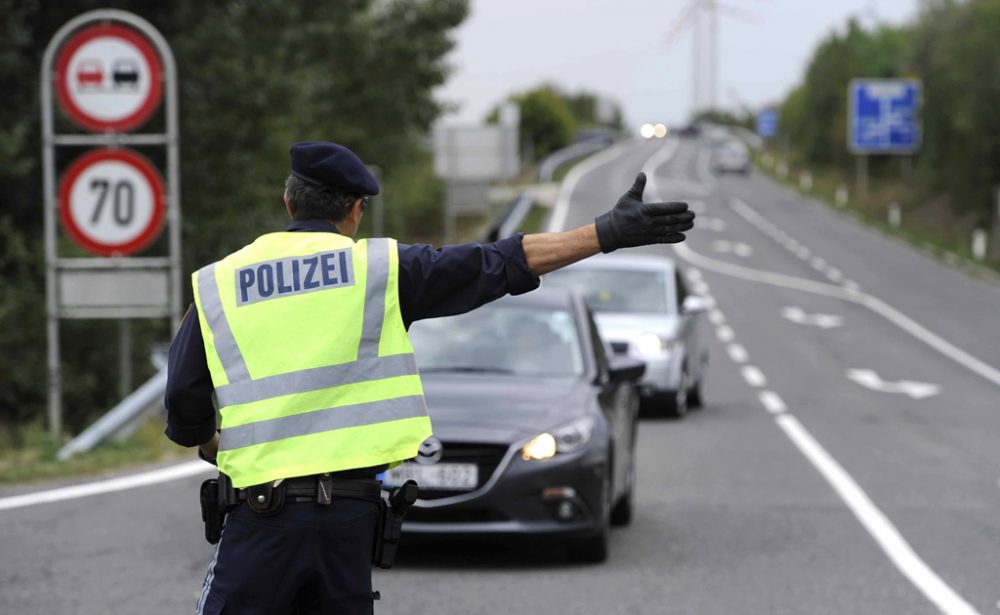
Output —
(523, 497)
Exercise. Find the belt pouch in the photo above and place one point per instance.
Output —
(266, 499)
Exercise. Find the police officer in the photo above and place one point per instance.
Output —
(299, 339)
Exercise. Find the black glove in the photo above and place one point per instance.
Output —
(633, 223)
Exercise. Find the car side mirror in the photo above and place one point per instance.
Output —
(693, 304)
(625, 369)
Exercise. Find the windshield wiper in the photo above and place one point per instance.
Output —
(468, 369)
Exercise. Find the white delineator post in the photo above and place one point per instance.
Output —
(895, 215)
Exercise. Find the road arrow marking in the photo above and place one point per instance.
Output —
(916, 390)
(823, 321)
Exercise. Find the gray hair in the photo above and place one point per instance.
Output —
(311, 201)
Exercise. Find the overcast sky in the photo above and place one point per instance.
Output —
(621, 48)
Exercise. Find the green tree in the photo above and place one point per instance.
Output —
(254, 77)
(550, 117)
(957, 55)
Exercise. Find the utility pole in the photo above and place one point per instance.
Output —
(713, 53)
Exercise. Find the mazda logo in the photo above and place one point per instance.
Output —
(430, 451)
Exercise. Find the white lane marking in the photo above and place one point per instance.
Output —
(753, 376)
(818, 262)
(874, 520)
(823, 321)
(561, 209)
(152, 477)
(713, 224)
(737, 353)
(870, 379)
(724, 246)
(851, 285)
(693, 274)
(700, 288)
(875, 304)
(834, 274)
(716, 317)
(773, 403)
(725, 334)
(802, 252)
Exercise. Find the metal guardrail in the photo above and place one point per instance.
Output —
(556, 159)
(124, 417)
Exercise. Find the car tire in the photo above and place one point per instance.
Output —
(593, 549)
(676, 404)
(621, 514)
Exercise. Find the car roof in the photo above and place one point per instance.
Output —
(641, 262)
(543, 297)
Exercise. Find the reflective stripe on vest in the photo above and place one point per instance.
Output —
(367, 367)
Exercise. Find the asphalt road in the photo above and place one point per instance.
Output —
(845, 462)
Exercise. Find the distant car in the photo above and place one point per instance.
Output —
(89, 73)
(690, 131)
(125, 71)
(731, 157)
(643, 309)
(534, 426)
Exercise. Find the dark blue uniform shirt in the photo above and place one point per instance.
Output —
(432, 282)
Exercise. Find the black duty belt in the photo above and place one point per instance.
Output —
(319, 488)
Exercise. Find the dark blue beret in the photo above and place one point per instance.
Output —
(330, 164)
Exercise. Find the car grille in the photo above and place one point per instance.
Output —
(620, 347)
(486, 456)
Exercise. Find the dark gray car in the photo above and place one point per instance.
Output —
(534, 432)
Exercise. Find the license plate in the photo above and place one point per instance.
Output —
(449, 476)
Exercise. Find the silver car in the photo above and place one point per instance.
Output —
(643, 310)
(731, 157)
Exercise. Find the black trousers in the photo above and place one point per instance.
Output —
(306, 558)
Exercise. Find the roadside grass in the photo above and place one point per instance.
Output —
(927, 221)
(32, 457)
(564, 169)
(534, 221)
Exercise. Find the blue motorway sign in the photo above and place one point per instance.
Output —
(884, 116)
(767, 123)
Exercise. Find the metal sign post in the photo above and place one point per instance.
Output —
(109, 71)
(883, 118)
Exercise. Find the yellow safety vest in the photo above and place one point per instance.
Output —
(312, 367)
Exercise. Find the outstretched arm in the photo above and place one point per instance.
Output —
(630, 223)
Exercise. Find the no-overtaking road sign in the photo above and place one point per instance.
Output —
(111, 202)
(884, 116)
(109, 77)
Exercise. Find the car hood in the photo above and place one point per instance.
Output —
(501, 409)
(616, 326)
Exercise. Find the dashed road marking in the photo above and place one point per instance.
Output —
(737, 353)
(773, 403)
(724, 333)
(885, 534)
(753, 376)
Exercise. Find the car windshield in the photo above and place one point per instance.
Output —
(615, 290)
(523, 341)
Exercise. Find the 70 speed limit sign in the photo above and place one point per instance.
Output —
(111, 202)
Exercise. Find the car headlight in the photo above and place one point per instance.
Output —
(651, 344)
(565, 439)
